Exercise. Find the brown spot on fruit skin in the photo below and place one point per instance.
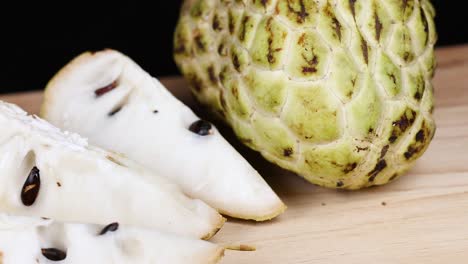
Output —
(400, 126)
(31, 187)
(365, 50)
(378, 26)
(410, 152)
(380, 166)
(420, 142)
(101, 91)
(384, 151)
(417, 96)
(301, 14)
(235, 92)
(392, 76)
(243, 31)
(223, 101)
(216, 24)
(384, 203)
(359, 149)
(349, 167)
(425, 25)
(353, 9)
(337, 27)
(212, 75)
(287, 152)
(311, 65)
(235, 62)
(270, 57)
(199, 43)
(393, 177)
(195, 82)
(222, 50)
(180, 47)
(246, 140)
(420, 136)
(231, 24)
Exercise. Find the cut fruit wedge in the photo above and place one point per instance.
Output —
(108, 98)
(35, 240)
(44, 172)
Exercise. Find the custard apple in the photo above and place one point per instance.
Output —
(110, 99)
(45, 172)
(25, 240)
(338, 91)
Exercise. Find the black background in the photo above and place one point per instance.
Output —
(37, 43)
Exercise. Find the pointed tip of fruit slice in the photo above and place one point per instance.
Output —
(212, 170)
(218, 227)
(218, 256)
(22, 238)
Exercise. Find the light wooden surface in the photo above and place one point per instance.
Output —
(421, 218)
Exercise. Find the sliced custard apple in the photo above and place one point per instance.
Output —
(25, 240)
(338, 91)
(45, 172)
(108, 98)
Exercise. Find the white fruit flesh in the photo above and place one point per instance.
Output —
(22, 238)
(206, 167)
(85, 184)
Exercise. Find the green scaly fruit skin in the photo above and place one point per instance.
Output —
(337, 91)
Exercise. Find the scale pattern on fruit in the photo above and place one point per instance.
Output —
(338, 91)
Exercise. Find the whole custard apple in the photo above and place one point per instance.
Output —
(337, 91)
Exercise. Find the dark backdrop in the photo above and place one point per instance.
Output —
(37, 43)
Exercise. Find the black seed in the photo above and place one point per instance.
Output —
(115, 111)
(59, 184)
(110, 228)
(53, 254)
(380, 166)
(339, 184)
(155, 111)
(202, 128)
(101, 91)
(31, 187)
(384, 203)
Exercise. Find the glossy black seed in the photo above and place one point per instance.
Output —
(53, 254)
(202, 128)
(109, 228)
(155, 111)
(31, 187)
(101, 91)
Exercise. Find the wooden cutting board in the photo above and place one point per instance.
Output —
(421, 218)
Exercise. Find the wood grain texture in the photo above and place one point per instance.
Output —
(421, 218)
